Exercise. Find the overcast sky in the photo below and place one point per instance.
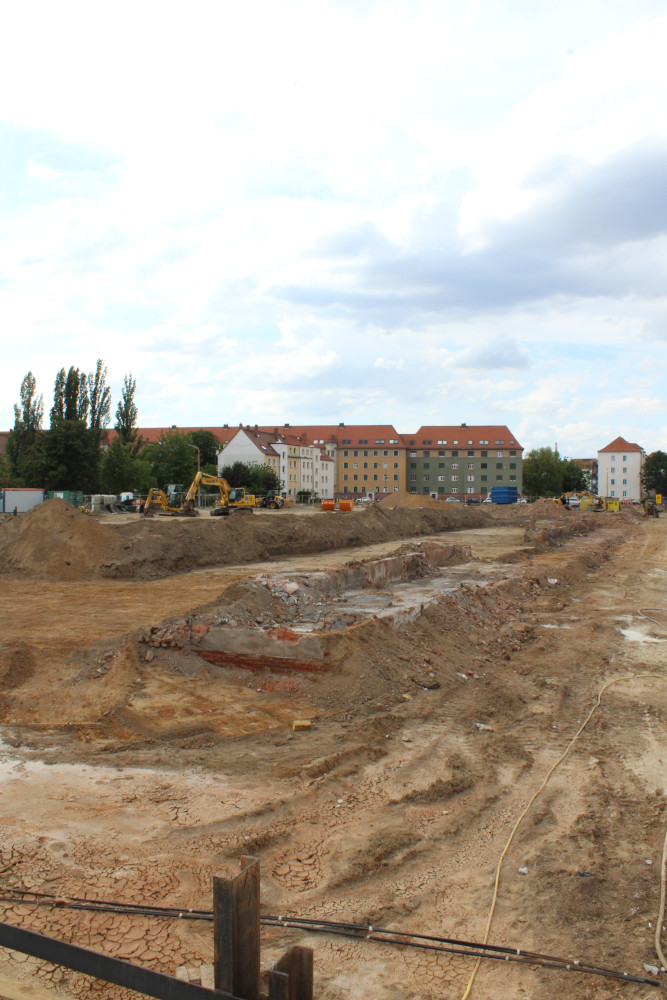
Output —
(406, 212)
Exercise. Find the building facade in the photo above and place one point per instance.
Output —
(461, 461)
(620, 467)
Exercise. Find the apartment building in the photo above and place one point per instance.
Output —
(620, 467)
(301, 467)
(462, 461)
(369, 458)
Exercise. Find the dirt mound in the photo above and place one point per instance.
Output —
(410, 501)
(549, 508)
(56, 539)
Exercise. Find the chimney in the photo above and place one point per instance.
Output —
(286, 425)
(255, 428)
(341, 425)
(226, 426)
(275, 431)
(464, 425)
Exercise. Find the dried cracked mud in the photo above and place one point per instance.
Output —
(451, 657)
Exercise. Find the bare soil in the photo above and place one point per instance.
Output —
(133, 769)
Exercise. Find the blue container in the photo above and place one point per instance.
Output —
(504, 494)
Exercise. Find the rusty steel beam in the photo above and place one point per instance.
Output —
(236, 931)
(291, 978)
(100, 966)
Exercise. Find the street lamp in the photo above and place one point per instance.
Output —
(196, 447)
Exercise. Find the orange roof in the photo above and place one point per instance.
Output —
(463, 435)
(620, 444)
(355, 435)
(151, 435)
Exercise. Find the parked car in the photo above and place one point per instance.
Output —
(472, 500)
(451, 500)
(487, 500)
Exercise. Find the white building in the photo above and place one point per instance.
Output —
(620, 467)
(301, 467)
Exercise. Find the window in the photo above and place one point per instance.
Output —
(625, 482)
(483, 478)
(455, 489)
(365, 454)
(413, 477)
(625, 468)
(395, 480)
(625, 493)
(499, 465)
(512, 479)
(413, 454)
(365, 478)
(471, 454)
(375, 479)
(345, 477)
(470, 479)
(613, 469)
(455, 454)
(485, 453)
(471, 465)
(499, 442)
(512, 454)
(471, 489)
(426, 454)
(379, 440)
(483, 490)
(441, 489)
(512, 465)
(613, 494)
(442, 442)
(355, 465)
(483, 466)
(413, 465)
(375, 465)
(385, 453)
(441, 465)
(426, 478)
(613, 458)
(455, 479)
(625, 458)
(345, 453)
(427, 465)
(395, 465)
(365, 465)
(612, 481)
(483, 442)
(427, 442)
(345, 465)
(499, 479)
(355, 478)
(499, 454)
(441, 479)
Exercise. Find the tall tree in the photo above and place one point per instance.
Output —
(573, 478)
(172, 459)
(542, 473)
(127, 413)
(258, 479)
(208, 445)
(654, 473)
(58, 408)
(27, 423)
(99, 398)
(122, 470)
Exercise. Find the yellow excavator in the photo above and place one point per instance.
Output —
(179, 502)
(170, 502)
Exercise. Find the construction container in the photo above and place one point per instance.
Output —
(504, 494)
(614, 505)
(20, 499)
(74, 497)
(345, 505)
(328, 504)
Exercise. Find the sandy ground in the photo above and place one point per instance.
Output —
(133, 769)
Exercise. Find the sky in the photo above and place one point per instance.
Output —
(395, 212)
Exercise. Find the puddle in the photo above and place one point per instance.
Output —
(635, 635)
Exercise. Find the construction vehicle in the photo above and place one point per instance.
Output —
(228, 500)
(169, 502)
(272, 500)
(650, 507)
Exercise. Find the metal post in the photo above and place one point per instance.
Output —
(236, 931)
(291, 978)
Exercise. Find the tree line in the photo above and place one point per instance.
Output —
(75, 453)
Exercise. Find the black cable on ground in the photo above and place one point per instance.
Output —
(380, 935)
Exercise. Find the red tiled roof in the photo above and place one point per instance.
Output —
(620, 444)
(464, 435)
(355, 435)
(151, 435)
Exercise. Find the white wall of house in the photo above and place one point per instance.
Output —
(240, 449)
(619, 474)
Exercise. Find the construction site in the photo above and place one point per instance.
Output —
(441, 730)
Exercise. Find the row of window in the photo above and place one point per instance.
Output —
(376, 465)
(355, 478)
(454, 465)
(455, 479)
(355, 453)
(455, 454)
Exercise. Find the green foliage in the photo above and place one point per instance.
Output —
(208, 445)
(542, 474)
(99, 398)
(574, 478)
(71, 457)
(545, 473)
(172, 459)
(654, 473)
(127, 413)
(27, 424)
(122, 470)
(257, 479)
